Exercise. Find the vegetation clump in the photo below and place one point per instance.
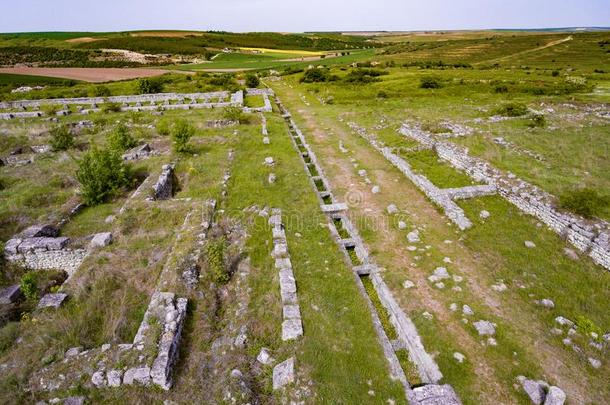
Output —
(364, 76)
(120, 139)
(61, 138)
(111, 107)
(29, 286)
(430, 83)
(182, 132)
(149, 86)
(512, 110)
(586, 202)
(317, 75)
(216, 249)
(101, 173)
(252, 81)
(235, 114)
(537, 121)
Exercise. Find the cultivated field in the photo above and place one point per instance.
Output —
(421, 215)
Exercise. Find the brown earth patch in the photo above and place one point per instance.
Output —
(93, 75)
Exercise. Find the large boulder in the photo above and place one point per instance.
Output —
(36, 231)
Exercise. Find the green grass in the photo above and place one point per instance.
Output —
(440, 173)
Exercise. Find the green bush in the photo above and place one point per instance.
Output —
(149, 86)
(364, 76)
(586, 202)
(382, 94)
(101, 91)
(429, 83)
(252, 81)
(29, 286)
(61, 138)
(50, 109)
(101, 173)
(163, 127)
(555, 73)
(316, 76)
(120, 139)
(111, 107)
(537, 121)
(234, 114)
(182, 132)
(512, 110)
(216, 260)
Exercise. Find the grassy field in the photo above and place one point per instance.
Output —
(460, 87)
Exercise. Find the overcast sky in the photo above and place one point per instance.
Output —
(298, 16)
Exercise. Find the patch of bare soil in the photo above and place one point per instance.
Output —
(83, 40)
(93, 75)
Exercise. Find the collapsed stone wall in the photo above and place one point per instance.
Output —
(163, 189)
(444, 198)
(197, 100)
(589, 236)
(292, 326)
(265, 93)
(68, 260)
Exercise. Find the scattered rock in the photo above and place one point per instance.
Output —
(98, 379)
(555, 396)
(392, 209)
(101, 239)
(466, 310)
(266, 140)
(427, 315)
(547, 303)
(269, 161)
(529, 244)
(534, 390)
(484, 214)
(485, 328)
(73, 351)
(564, 321)
(408, 284)
(10, 294)
(500, 286)
(375, 190)
(264, 356)
(459, 357)
(114, 378)
(402, 225)
(271, 179)
(571, 253)
(413, 236)
(594, 362)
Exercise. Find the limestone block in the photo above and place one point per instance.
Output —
(283, 374)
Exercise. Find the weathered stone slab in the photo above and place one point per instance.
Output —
(137, 153)
(53, 300)
(283, 374)
(291, 312)
(10, 294)
(292, 329)
(433, 394)
(42, 243)
(139, 375)
(101, 239)
(36, 231)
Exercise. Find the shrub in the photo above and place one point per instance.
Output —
(120, 139)
(252, 81)
(382, 94)
(364, 76)
(216, 260)
(555, 73)
(315, 76)
(163, 127)
(586, 202)
(149, 86)
(181, 134)
(429, 83)
(50, 109)
(101, 91)
(101, 173)
(501, 89)
(61, 138)
(537, 121)
(234, 114)
(111, 107)
(512, 110)
(29, 286)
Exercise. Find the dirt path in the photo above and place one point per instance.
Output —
(93, 75)
(548, 45)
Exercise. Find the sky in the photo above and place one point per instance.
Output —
(298, 16)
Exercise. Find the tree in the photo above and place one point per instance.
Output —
(101, 173)
(429, 83)
(120, 139)
(61, 138)
(252, 81)
(234, 114)
(182, 132)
